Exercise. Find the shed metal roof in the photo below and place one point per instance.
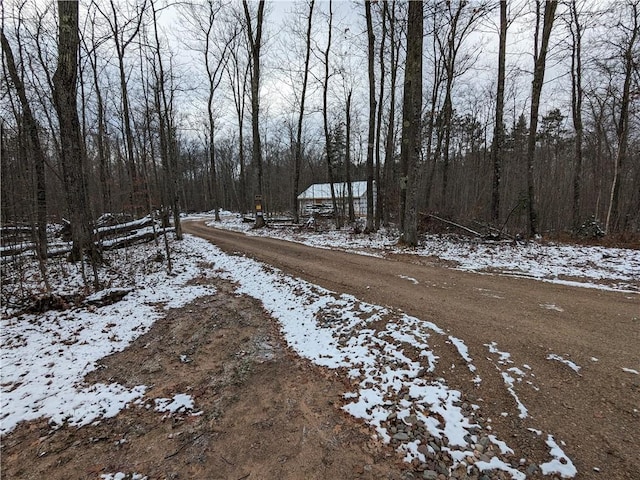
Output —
(322, 191)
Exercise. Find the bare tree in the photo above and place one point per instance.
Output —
(539, 57)
(73, 162)
(460, 18)
(40, 61)
(629, 38)
(297, 160)
(434, 113)
(593, 169)
(411, 121)
(238, 75)
(255, 44)
(203, 18)
(168, 141)
(34, 142)
(325, 118)
(498, 129)
(124, 31)
(378, 169)
(91, 46)
(576, 29)
(347, 157)
(372, 115)
(384, 189)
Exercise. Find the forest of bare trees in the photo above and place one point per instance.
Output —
(518, 115)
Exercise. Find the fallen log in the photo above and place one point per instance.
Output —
(454, 224)
(139, 237)
(113, 230)
(107, 296)
(143, 235)
(12, 250)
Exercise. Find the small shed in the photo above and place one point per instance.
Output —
(317, 198)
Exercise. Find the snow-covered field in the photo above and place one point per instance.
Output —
(45, 357)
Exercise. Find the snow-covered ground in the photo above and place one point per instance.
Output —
(45, 357)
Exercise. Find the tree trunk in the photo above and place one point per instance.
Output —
(103, 160)
(435, 117)
(536, 89)
(576, 110)
(622, 124)
(36, 148)
(212, 157)
(168, 143)
(101, 135)
(447, 119)
(498, 132)
(372, 116)
(379, 186)
(255, 43)
(65, 101)
(297, 160)
(389, 161)
(126, 110)
(214, 174)
(325, 118)
(347, 160)
(449, 53)
(411, 118)
(214, 80)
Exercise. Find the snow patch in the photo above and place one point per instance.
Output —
(561, 464)
(569, 363)
(463, 350)
(551, 306)
(504, 358)
(504, 448)
(411, 279)
(179, 403)
(496, 464)
(123, 476)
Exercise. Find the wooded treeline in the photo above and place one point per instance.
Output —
(200, 106)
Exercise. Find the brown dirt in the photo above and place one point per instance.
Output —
(597, 413)
(267, 414)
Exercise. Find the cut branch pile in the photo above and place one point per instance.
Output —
(488, 233)
(17, 240)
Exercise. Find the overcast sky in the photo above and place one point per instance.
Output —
(282, 53)
(349, 51)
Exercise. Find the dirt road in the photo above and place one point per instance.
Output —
(595, 411)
